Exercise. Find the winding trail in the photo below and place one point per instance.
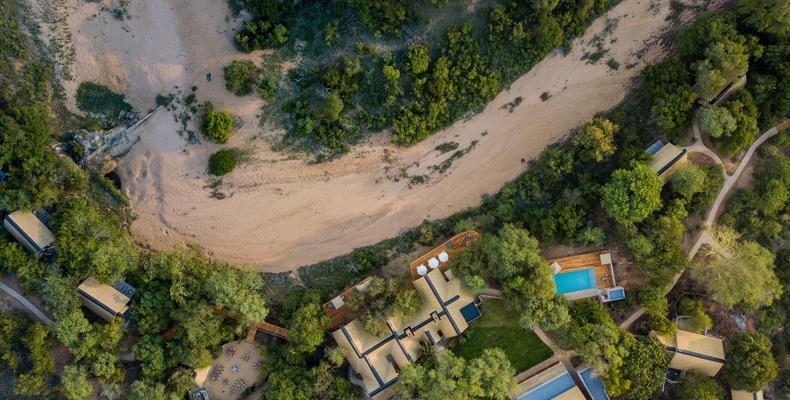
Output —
(729, 182)
(13, 293)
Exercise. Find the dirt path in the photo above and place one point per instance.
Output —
(281, 213)
(28, 305)
(705, 236)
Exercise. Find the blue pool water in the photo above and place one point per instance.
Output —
(470, 312)
(575, 280)
(617, 294)
(550, 389)
(594, 385)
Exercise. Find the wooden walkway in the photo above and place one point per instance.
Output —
(264, 326)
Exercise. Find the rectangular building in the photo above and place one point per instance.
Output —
(693, 352)
(30, 232)
(666, 158)
(106, 301)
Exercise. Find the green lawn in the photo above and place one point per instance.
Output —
(499, 328)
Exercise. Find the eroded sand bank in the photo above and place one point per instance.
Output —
(283, 213)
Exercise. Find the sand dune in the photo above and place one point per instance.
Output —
(282, 213)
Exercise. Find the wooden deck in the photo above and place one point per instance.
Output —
(603, 274)
(264, 326)
(456, 243)
(341, 315)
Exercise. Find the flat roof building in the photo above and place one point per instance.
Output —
(666, 158)
(553, 383)
(692, 351)
(446, 311)
(30, 232)
(106, 301)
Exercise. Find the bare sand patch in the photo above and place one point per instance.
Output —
(281, 213)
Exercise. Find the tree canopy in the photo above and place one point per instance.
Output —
(750, 364)
(631, 195)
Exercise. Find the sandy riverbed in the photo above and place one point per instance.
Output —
(283, 213)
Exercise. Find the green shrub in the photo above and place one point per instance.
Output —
(240, 77)
(426, 233)
(102, 103)
(218, 126)
(221, 162)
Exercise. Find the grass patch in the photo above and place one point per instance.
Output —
(498, 327)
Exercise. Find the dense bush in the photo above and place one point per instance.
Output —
(217, 125)
(102, 103)
(750, 364)
(240, 77)
(221, 163)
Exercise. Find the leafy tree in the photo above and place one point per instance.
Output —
(418, 59)
(595, 140)
(60, 294)
(694, 310)
(221, 163)
(382, 16)
(333, 105)
(305, 332)
(742, 107)
(695, 386)
(107, 367)
(407, 302)
(644, 367)
(715, 121)
(489, 376)
(710, 80)
(772, 16)
(475, 283)
(261, 34)
(150, 351)
(218, 125)
(730, 57)
(42, 363)
(239, 291)
(92, 243)
(723, 276)
(241, 76)
(688, 180)
(142, 390)
(153, 307)
(12, 256)
(71, 327)
(74, 383)
(631, 195)
(102, 103)
(750, 364)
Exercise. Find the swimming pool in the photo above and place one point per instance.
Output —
(470, 312)
(574, 281)
(550, 389)
(594, 385)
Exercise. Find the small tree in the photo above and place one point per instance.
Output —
(750, 364)
(715, 121)
(333, 105)
(305, 331)
(694, 386)
(407, 302)
(218, 125)
(595, 140)
(240, 77)
(418, 59)
(221, 162)
(710, 80)
(688, 180)
(74, 383)
(631, 195)
(475, 283)
(694, 310)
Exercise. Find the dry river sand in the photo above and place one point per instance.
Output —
(282, 213)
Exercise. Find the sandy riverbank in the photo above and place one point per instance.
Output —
(283, 213)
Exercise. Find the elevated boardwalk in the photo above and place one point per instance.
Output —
(264, 326)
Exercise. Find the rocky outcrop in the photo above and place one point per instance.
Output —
(99, 148)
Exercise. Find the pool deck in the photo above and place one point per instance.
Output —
(603, 272)
(457, 242)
